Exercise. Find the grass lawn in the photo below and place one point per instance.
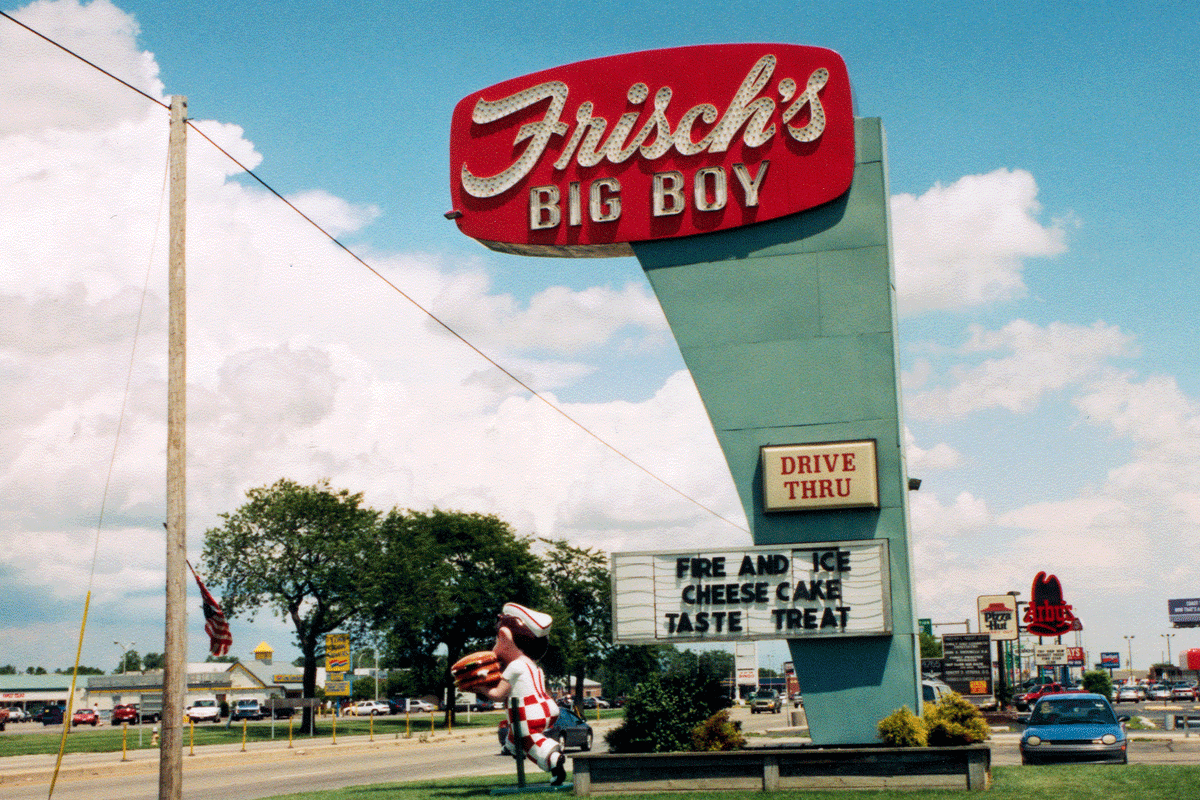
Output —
(1059, 782)
(108, 740)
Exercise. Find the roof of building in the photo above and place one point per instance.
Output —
(38, 683)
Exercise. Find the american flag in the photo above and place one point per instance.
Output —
(215, 625)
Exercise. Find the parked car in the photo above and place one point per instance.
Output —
(370, 708)
(85, 716)
(934, 689)
(1029, 699)
(204, 710)
(3, 717)
(570, 729)
(51, 715)
(279, 708)
(247, 708)
(413, 705)
(1183, 691)
(1159, 691)
(596, 702)
(1080, 727)
(18, 715)
(125, 713)
(1131, 693)
(766, 700)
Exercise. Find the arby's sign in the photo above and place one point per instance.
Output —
(583, 159)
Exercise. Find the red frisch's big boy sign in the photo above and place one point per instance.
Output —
(582, 159)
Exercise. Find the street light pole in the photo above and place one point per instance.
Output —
(1129, 642)
(1168, 636)
(1014, 676)
(124, 650)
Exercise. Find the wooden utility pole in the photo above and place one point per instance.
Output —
(170, 766)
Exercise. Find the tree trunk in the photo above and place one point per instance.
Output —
(580, 669)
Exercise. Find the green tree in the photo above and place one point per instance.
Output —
(363, 688)
(579, 597)
(8, 669)
(35, 670)
(931, 646)
(1098, 682)
(300, 551)
(718, 666)
(626, 667)
(130, 661)
(439, 580)
(299, 662)
(153, 661)
(676, 662)
(83, 670)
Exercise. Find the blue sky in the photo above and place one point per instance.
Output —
(1042, 165)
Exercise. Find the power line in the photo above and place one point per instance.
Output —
(446, 327)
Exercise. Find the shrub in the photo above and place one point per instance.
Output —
(718, 732)
(955, 721)
(1098, 682)
(902, 728)
(661, 713)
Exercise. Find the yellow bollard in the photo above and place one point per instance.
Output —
(191, 736)
(371, 728)
(407, 724)
(333, 720)
(450, 722)
(431, 723)
(124, 737)
(290, 721)
(243, 736)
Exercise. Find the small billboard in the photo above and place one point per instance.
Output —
(967, 664)
(998, 616)
(1050, 655)
(1184, 613)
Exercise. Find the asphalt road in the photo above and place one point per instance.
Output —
(271, 769)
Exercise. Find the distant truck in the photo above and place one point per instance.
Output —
(247, 708)
(151, 707)
(766, 701)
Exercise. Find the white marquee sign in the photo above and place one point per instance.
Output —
(781, 592)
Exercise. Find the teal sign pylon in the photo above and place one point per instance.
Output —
(789, 330)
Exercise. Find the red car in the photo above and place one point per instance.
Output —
(125, 713)
(1038, 692)
(85, 716)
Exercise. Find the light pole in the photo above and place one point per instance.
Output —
(1014, 676)
(124, 650)
(1129, 643)
(1168, 636)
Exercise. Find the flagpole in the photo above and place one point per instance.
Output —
(170, 765)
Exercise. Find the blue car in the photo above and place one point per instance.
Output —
(1074, 727)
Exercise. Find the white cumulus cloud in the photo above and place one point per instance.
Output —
(967, 244)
